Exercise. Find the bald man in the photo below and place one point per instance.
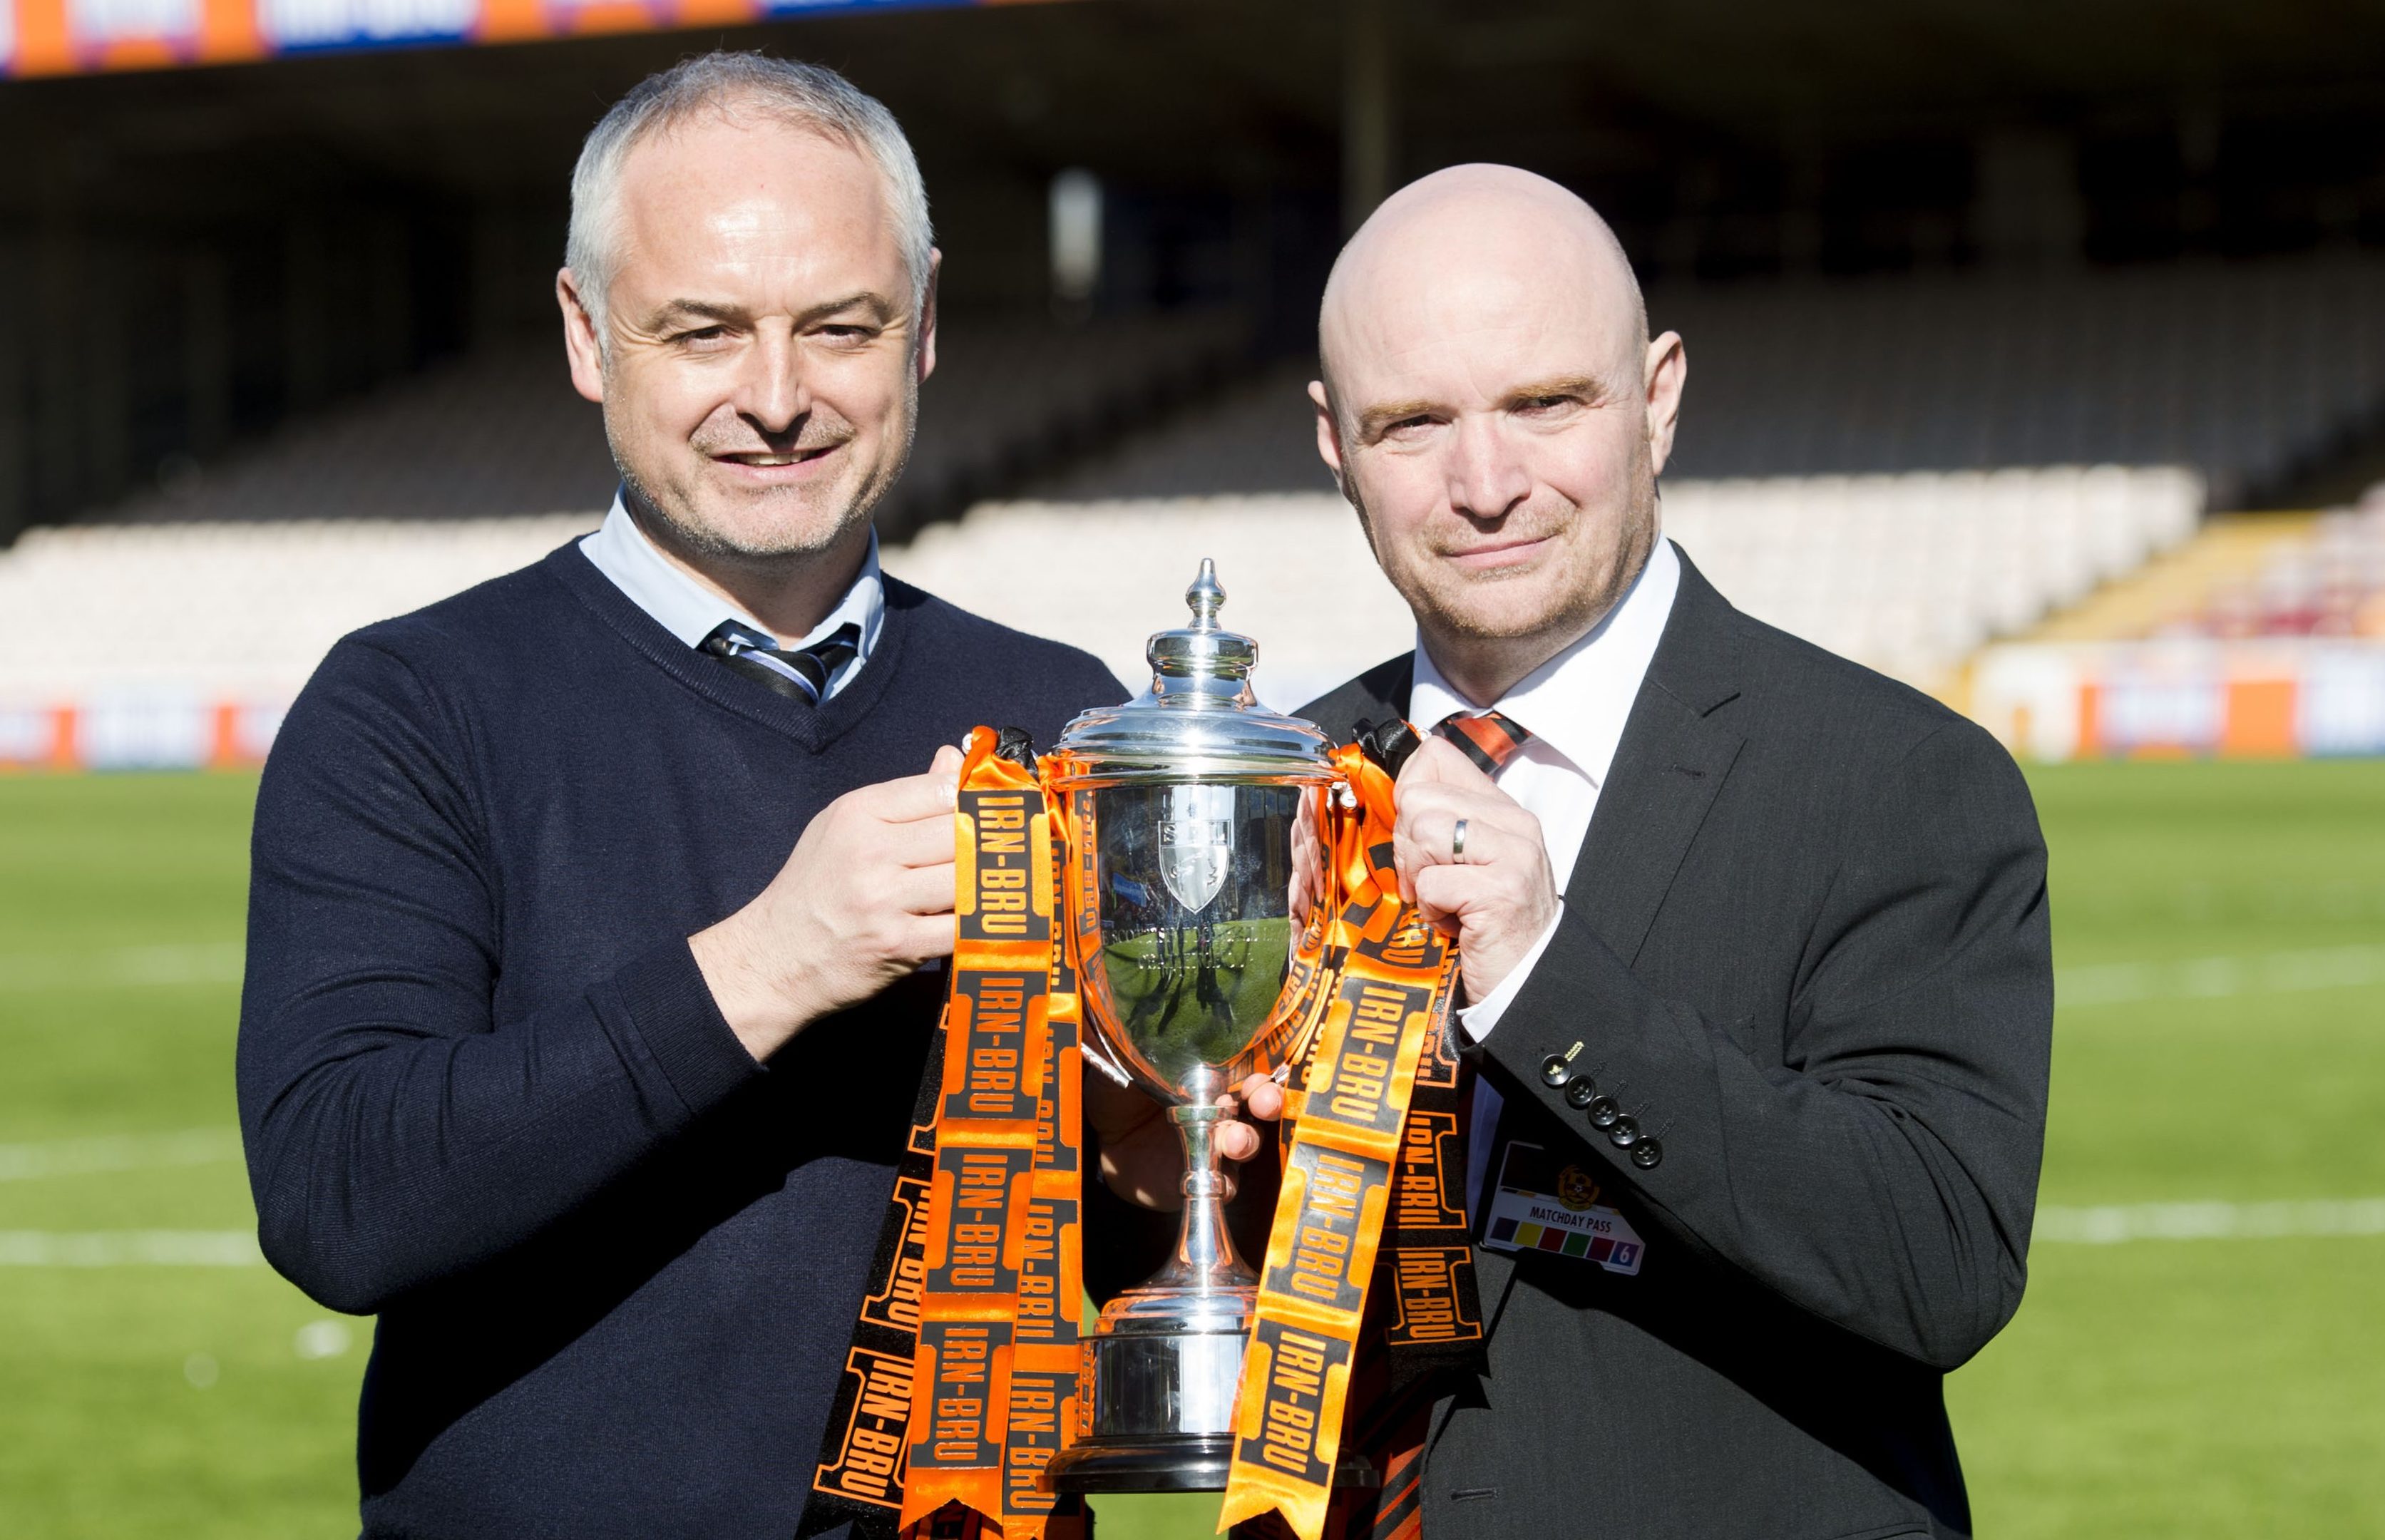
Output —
(1755, 960)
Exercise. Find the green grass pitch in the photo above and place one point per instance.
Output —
(2161, 1387)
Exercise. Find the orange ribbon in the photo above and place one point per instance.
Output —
(961, 1382)
(1389, 988)
(964, 1377)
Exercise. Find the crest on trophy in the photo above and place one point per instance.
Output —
(1196, 843)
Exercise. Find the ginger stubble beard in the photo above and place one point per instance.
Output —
(1570, 621)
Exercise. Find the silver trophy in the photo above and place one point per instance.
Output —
(1190, 812)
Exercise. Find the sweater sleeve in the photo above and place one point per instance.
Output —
(396, 1131)
(1884, 1176)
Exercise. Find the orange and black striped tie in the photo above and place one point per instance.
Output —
(1489, 738)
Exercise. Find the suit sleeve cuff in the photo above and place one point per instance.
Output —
(670, 1009)
(1478, 1019)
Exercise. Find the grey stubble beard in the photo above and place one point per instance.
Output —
(696, 540)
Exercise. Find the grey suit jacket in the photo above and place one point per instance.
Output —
(1806, 947)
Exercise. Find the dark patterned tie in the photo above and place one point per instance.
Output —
(800, 673)
(1489, 740)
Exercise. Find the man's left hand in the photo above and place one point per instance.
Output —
(1143, 1156)
(1499, 895)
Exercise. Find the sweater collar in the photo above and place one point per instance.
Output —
(691, 612)
(814, 727)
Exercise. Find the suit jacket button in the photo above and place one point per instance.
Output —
(1554, 1071)
(1647, 1153)
(1581, 1090)
(1603, 1111)
(1625, 1133)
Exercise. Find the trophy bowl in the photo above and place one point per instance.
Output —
(1191, 931)
(1186, 812)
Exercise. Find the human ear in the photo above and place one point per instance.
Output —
(927, 314)
(581, 344)
(1329, 435)
(1667, 370)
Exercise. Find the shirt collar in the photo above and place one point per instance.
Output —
(691, 612)
(1578, 701)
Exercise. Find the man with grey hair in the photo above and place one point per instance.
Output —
(596, 913)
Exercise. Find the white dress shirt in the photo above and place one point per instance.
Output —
(691, 612)
(1575, 706)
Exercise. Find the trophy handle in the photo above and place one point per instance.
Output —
(1095, 1050)
(1069, 809)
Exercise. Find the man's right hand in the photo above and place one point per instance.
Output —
(864, 899)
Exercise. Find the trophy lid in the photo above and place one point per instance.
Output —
(1199, 718)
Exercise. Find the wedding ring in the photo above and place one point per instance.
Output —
(1458, 842)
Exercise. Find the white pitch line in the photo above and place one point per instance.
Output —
(2108, 1225)
(2219, 978)
(129, 967)
(117, 1248)
(2093, 985)
(121, 1152)
(2112, 1224)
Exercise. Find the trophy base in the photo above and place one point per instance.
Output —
(1194, 1464)
(1167, 1363)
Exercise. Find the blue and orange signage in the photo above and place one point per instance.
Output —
(62, 37)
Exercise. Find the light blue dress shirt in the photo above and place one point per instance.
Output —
(691, 611)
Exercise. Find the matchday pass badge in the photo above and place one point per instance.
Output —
(1542, 1207)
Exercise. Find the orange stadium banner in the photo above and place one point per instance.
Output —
(2285, 697)
(2254, 698)
(64, 37)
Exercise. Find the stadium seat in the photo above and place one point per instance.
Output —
(131, 645)
(2331, 584)
(1898, 469)
(1909, 573)
(502, 433)
(2245, 373)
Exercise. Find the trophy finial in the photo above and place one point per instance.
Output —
(1205, 598)
(1212, 662)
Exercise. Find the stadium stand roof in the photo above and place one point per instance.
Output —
(210, 253)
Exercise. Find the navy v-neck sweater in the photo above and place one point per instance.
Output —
(486, 1095)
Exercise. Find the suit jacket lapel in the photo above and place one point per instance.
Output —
(1382, 691)
(1668, 766)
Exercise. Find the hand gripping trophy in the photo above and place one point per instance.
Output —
(1203, 887)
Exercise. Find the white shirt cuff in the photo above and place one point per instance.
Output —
(1479, 1018)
